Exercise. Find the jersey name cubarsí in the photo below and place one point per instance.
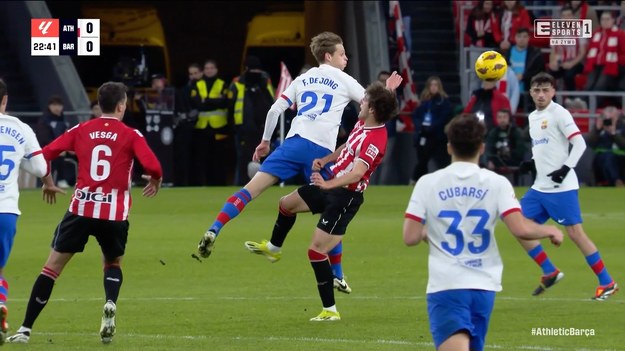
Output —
(460, 205)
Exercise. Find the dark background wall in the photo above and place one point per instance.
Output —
(196, 31)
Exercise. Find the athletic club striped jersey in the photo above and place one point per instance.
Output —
(105, 148)
(367, 144)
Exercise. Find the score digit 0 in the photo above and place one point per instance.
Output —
(88, 37)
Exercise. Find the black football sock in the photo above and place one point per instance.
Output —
(323, 274)
(113, 278)
(42, 289)
(281, 228)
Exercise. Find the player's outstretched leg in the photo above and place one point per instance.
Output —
(231, 208)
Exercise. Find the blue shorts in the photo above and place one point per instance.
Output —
(453, 311)
(8, 225)
(295, 156)
(561, 207)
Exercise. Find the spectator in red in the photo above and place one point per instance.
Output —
(566, 61)
(486, 102)
(482, 26)
(605, 63)
(581, 10)
(513, 17)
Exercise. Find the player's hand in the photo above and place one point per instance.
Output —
(317, 164)
(393, 81)
(50, 191)
(317, 179)
(556, 235)
(527, 166)
(151, 189)
(261, 150)
(559, 175)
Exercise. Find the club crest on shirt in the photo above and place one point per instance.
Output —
(372, 151)
(543, 124)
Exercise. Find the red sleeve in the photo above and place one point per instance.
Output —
(65, 142)
(373, 147)
(146, 156)
(472, 99)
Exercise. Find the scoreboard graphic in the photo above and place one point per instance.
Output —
(58, 36)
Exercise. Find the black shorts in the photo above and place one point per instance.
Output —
(72, 234)
(337, 206)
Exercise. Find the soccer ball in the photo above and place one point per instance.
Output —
(491, 65)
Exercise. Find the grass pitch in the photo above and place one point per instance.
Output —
(238, 301)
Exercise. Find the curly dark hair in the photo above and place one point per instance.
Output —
(382, 101)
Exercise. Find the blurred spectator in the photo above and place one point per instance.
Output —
(605, 62)
(513, 17)
(504, 144)
(429, 120)
(507, 85)
(566, 61)
(581, 10)
(186, 117)
(621, 17)
(486, 101)
(208, 98)
(96, 111)
(607, 138)
(50, 126)
(534, 14)
(161, 96)
(482, 25)
(526, 61)
(250, 96)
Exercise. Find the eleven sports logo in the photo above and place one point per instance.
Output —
(562, 31)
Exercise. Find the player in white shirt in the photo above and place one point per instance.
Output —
(19, 149)
(461, 204)
(321, 94)
(339, 198)
(554, 193)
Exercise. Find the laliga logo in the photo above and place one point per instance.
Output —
(44, 26)
(94, 197)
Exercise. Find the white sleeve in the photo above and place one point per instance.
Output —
(272, 117)
(356, 91)
(579, 146)
(506, 198)
(416, 205)
(35, 165)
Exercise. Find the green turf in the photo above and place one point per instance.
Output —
(238, 301)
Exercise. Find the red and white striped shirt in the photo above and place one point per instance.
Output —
(367, 144)
(105, 148)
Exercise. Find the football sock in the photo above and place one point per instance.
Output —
(323, 274)
(596, 264)
(335, 260)
(42, 289)
(331, 308)
(540, 257)
(113, 278)
(4, 290)
(281, 228)
(233, 206)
